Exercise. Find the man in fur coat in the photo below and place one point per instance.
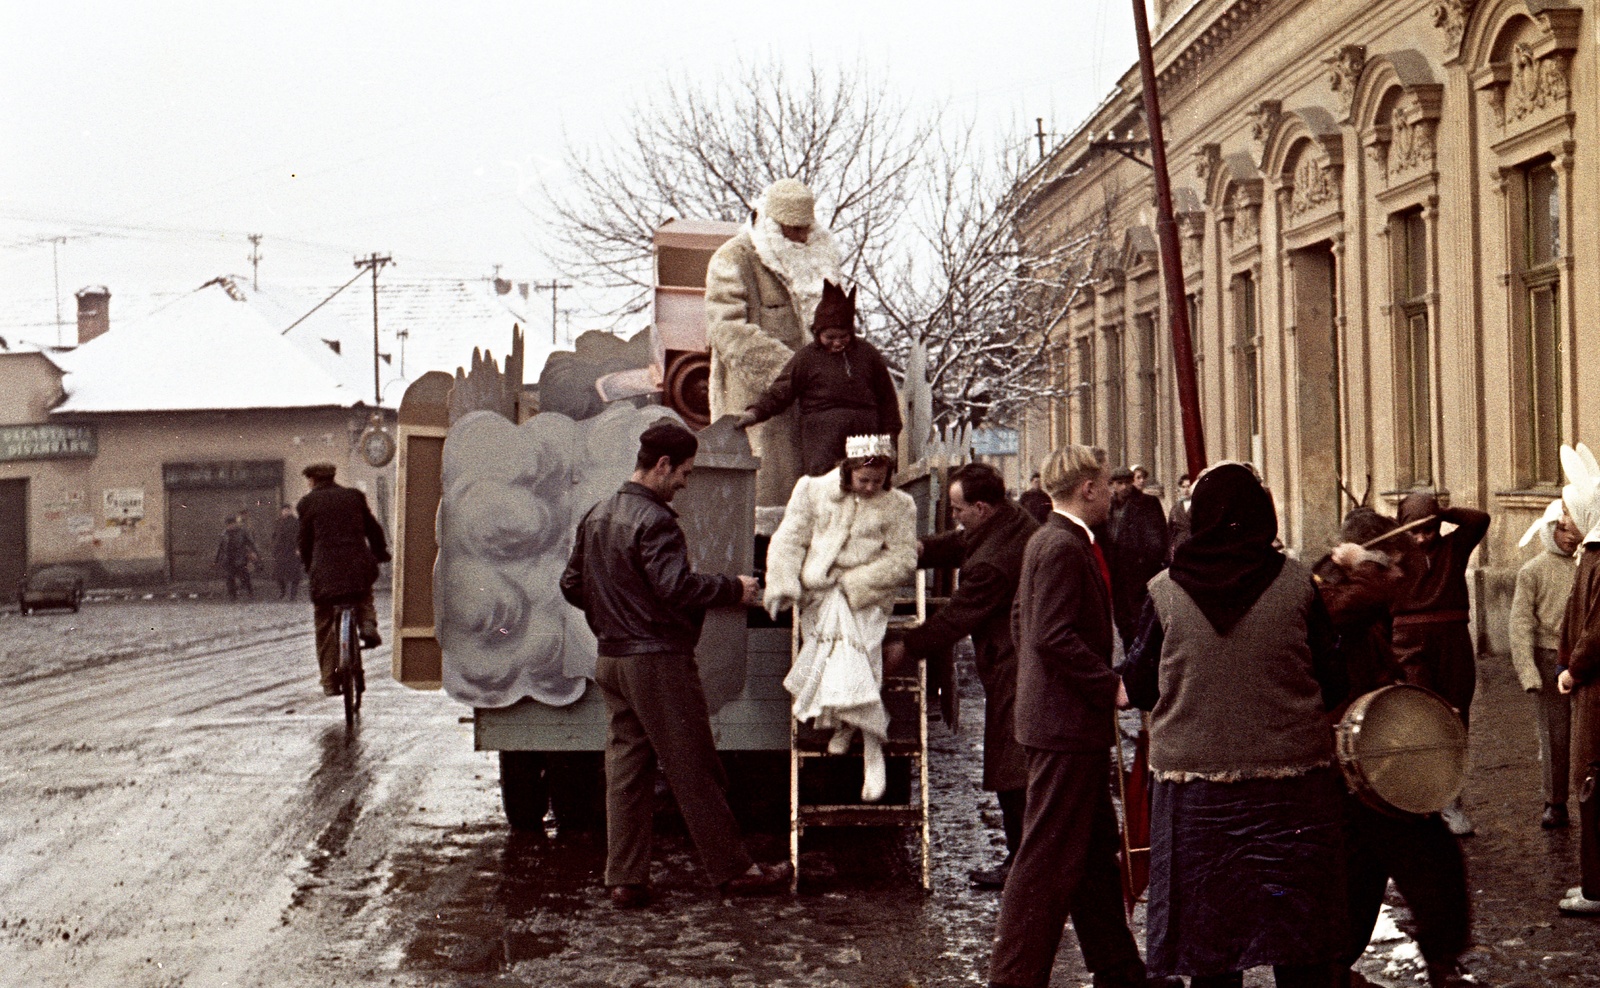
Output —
(762, 290)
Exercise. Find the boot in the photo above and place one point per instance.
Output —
(875, 774)
(840, 742)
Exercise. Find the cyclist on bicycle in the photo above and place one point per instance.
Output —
(341, 545)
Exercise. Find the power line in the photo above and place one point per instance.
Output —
(375, 262)
(554, 288)
(320, 304)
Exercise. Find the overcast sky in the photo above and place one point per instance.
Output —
(155, 136)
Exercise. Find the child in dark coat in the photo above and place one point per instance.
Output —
(841, 382)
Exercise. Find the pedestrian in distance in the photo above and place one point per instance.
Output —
(987, 547)
(236, 554)
(629, 573)
(286, 568)
(1431, 638)
(839, 382)
(1035, 501)
(341, 545)
(1178, 518)
(1235, 661)
(1136, 536)
(1538, 607)
(1579, 678)
(1067, 698)
(1359, 581)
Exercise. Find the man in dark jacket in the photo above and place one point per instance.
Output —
(1137, 533)
(236, 553)
(988, 549)
(1431, 640)
(630, 575)
(341, 545)
(286, 568)
(1067, 696)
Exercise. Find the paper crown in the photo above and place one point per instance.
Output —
(836, 310)
(869, 447)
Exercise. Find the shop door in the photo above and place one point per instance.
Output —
(13, 536)
(196, 517)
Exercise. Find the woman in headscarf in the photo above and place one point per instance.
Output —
(1579, 657)
(1234, 659)
(847, 544)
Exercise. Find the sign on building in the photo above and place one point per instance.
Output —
(994, 442)
(124, 503)
(46, 442)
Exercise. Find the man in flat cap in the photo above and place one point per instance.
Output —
(341, 545)
(762, 290)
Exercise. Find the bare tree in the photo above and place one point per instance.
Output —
(983, 305)
(708, 152)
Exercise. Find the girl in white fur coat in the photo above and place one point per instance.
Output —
(847, 543)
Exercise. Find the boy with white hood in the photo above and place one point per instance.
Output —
(1537, 608)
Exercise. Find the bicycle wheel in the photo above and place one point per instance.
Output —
(349, 659)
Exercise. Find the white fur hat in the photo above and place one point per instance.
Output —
(789, 203)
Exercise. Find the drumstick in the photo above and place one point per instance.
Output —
(1408, 526)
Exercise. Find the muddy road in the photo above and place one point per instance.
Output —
(179, 805)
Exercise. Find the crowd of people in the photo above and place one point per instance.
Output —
(1083, 596)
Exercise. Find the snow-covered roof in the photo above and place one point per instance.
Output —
(213, 348)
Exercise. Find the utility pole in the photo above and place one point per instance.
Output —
(1194, 441)
(255, 259)
(554, 288)
(402, 335)
(374, 263)
(55, 263)
(1040, 122)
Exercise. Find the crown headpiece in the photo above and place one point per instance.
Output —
(869, 447)
(836, 310)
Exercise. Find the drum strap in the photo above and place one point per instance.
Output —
(1430, 617)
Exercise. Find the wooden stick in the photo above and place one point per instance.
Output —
(1408, 526)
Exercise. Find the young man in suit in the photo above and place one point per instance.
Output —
(1067, 698)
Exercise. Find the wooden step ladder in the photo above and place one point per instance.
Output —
(905, 697)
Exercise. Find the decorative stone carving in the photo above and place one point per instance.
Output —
(1314, 185)
(1246, 217)
(1344, 68)
(1191, 235)
(1411, 147)
(1536, 83)
(1206, 159)
(1450, 16)
(1263, 120)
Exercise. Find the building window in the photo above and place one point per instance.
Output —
(1116, 399)
(1408, 238)
(1539, 286)
(1085, 390)
(1247, 346)
(1145, 327)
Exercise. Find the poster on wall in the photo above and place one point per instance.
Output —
(124, 504)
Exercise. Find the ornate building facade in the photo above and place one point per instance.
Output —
(1390, 219)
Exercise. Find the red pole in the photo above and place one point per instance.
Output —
(1194, 442)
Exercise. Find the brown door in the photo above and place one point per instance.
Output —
(13, 536)
(196, 517)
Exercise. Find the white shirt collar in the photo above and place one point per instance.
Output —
(1078, 521)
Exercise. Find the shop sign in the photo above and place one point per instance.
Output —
(994, 442)
(46, 442)
(223, 473)
(124, 503)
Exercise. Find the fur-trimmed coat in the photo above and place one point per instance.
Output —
(754, 324)
(867, 546)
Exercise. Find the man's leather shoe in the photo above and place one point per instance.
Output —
(331, 689)
(990, 878)
(630, 896)
(769, 879)
(370, 639)
(1577, 905)
(1554, 817)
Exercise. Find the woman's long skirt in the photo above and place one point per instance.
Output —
(838, 676)
(1246, 873)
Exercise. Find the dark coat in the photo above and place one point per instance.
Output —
(629, 574)
(286, 549)
(1036, 503)
(235, 550)
(341, 543)
(990, 557)
(1136, 551)
(1061, 623)
(840, 394)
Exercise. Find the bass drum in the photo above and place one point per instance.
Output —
(1403, 749)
